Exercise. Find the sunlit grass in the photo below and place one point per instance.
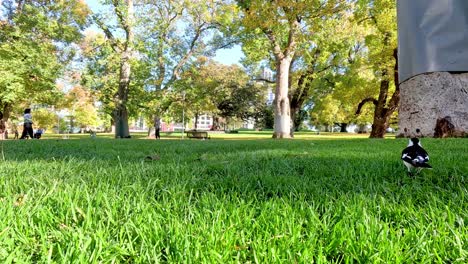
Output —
(231, 201)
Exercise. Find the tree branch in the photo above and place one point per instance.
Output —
(107, 32)
(395, 100)
(119, 14)
(264, 80)
(186, 57)
(291, 48)
(274, 43)
(363, 102)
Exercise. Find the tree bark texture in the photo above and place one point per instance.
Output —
(434, 105)
(121, 122)
(282, 127)
(303, 88)
(297, 99)
(196, 120)
(121, 113)
(294, 120)
(5, 112)
(384, 108)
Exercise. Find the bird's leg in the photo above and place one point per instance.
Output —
(410, 173)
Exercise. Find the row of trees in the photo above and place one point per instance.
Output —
(334, 55)
(331, 58)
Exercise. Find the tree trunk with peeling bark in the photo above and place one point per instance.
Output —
(282, 128)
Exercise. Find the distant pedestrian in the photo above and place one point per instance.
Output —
(157, 127)
(27, 125)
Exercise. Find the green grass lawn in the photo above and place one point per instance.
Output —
(242, 135)
(314, 199)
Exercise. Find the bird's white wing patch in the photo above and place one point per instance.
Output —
(408, 165)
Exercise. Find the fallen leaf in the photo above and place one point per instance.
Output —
(20, 200)
(152, 157)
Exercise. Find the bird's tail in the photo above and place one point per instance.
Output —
(425, 165)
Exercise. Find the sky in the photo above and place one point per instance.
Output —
(225, 56)
(229, 56)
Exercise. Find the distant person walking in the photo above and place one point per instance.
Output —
(27, 125)
(157, 127)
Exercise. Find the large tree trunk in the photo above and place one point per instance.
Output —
(434, 105)
(6, 111)
(282, 128)
(196, 121)
(121, 122)
(216, 124)
(294, 118)
(4, 116)
(384, 108)
(302, 90)
(379, 126)
(381, 117)
(343, 127)
(121, 113)
(297, 100)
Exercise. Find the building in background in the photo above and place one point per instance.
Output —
(204, 122)
(267, 76)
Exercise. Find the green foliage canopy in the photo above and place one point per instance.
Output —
(34, 48)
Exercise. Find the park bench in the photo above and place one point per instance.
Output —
(197, 134)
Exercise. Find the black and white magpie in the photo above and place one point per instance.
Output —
(414, 157)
